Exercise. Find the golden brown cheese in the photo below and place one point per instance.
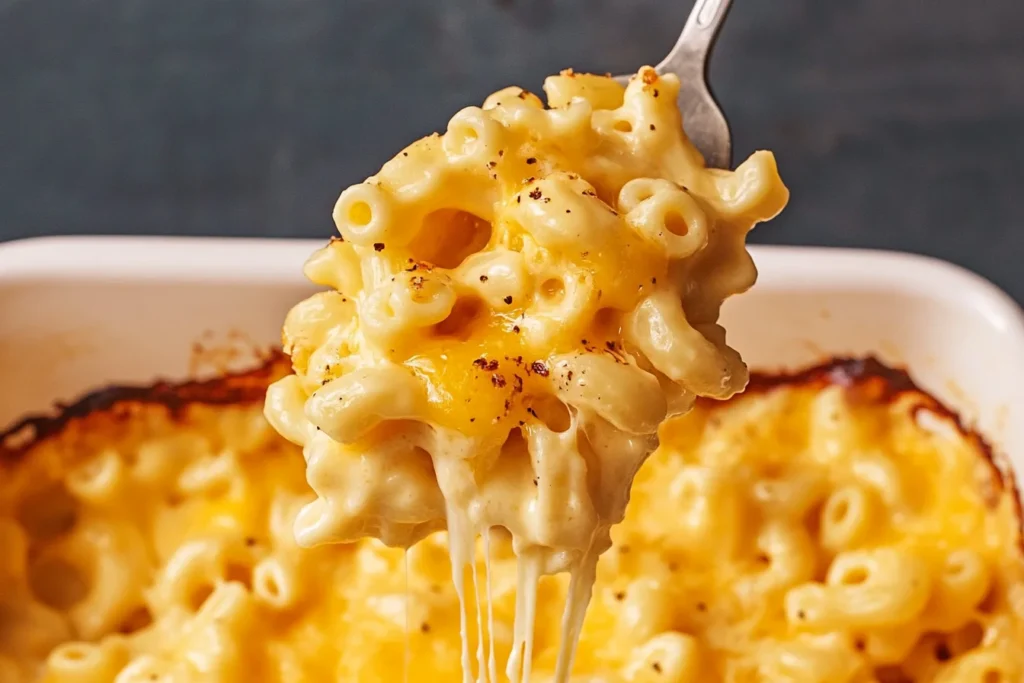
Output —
(835, 526)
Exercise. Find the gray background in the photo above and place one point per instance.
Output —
(897, 123)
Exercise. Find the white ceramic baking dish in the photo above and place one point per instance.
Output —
(82, 312)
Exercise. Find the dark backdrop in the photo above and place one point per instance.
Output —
(897, 123)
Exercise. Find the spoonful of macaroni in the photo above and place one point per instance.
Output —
(511, 310)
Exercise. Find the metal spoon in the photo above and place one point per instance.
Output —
(703, 119)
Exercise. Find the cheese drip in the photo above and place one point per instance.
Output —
(513, 309)
(616, 456)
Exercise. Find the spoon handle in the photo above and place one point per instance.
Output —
(690, 53)
(703, 118)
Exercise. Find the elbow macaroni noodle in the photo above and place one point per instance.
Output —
(150, 545)
(514, 308)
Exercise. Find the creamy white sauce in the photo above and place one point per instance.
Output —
(581, 588)
(481, 663)
(473, 508)
(460, 550)
(520, 660)
(492, 666)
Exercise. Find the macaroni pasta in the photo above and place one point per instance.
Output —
(513, 308)
(146, 543)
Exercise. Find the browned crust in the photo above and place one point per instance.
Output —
(239, 388)
(840, 371)
(867, 378)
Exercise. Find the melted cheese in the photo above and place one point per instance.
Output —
(523, 299)
(736, 516)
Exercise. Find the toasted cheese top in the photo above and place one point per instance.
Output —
(834, 527)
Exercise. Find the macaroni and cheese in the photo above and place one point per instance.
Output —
(832, 527)
(518, 338)
(513, 308)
